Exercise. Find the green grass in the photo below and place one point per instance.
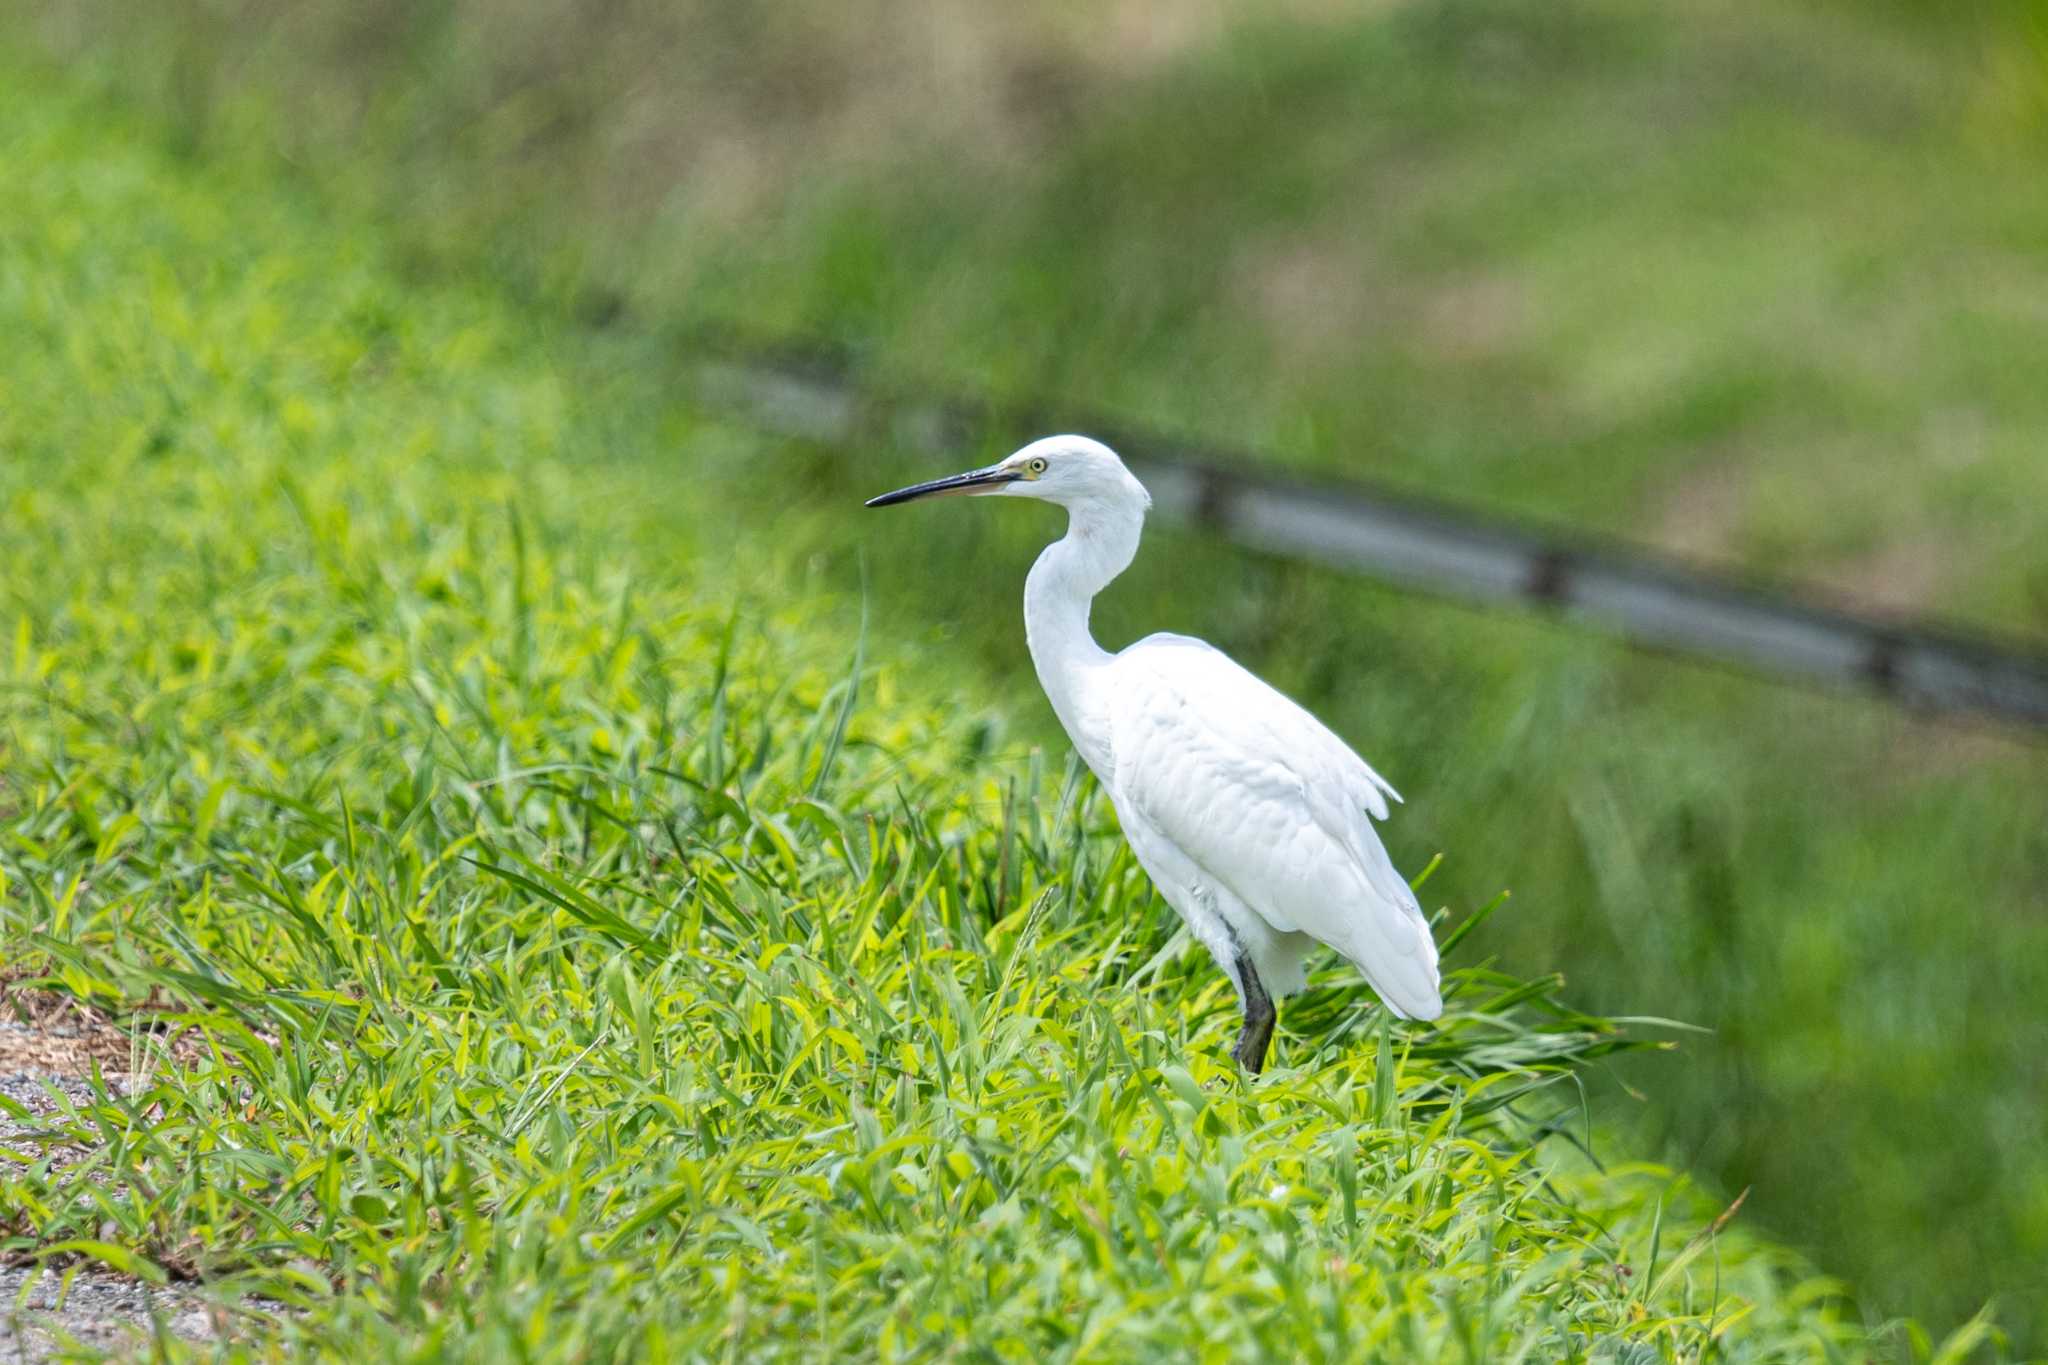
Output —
(1757, 282)
(591, 956)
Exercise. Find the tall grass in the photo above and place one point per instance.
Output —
(587, 950)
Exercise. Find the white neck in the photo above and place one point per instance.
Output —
(1100, 542)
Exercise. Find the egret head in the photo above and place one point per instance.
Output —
(1073, 471)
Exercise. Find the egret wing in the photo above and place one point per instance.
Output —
(1269, 801)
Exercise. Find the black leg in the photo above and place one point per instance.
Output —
(1258, 1018)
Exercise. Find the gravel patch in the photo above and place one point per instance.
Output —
(45, 1313)
(99, 1310)
(41, 1317)
(35, 1138)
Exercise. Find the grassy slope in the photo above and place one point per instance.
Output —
(580, 964)
(1850, 899)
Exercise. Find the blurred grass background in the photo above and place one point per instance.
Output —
(1763, 285)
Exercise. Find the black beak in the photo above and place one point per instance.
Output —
(972, 481)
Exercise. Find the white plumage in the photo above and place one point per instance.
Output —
(1252, 818)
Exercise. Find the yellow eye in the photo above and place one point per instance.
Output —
(1037, 466)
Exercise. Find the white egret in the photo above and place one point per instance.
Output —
(1250, 816)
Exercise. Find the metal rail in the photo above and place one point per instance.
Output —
(1436, 548)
